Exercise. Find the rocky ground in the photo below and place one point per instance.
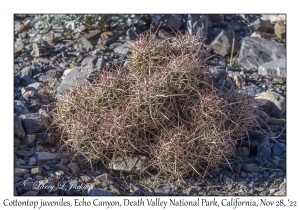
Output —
(55, 52)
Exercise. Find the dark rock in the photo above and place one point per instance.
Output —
(168, 21)
(26, 79)
(74, 77)
(223, 24)
(29, 139)
(18, 128)
(164, 34)
(31, 193)
(264, 151)
(98, 192)
(274, 68)
(216, 18)
(263, 26)
(222, 44)
(32, 99)
(38, 50)
(262, 118)
(20, 108)
(162, 190)
(47, 138)
(243, 151)
(34, 123)
(237, 167)
(16, 80)
(255, 52)
(282, 164)
(17, 142)
(131, 34)
(251, 167)
(218, 72)
(278, 149)
(73, 168)
(32, 161)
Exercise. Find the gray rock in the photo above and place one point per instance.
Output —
(222, 44)
(278, 149)
(264, 151)
(251, 167)
(17, 142)
(36, 85)
(229, 183)
(123, 49)
(20, 172)
(87, 44)
(263, 26)
(243, 174)
(47, 138)
(34, 123)
(98, 192)
(274, 68)
(32, 161)
(29, 139)
(162, 190)
(32, 99)
(73, 168)
(252, 90)
(38, 50)
(104, 180)
(74, 77)
(18, 128)
(218, 72)
(255, 52)
(93, 37)
(27, 71)
(44, 156)
(134, 164)
(278, 102)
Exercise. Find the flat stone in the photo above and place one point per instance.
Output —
(26, 79)
(280, 30)
(278, 149)
(263, 26)
(29, 139)
(20, 172)
(34, 122)
(134, 164)
(264, 151)
(222, 44)
(74, 77)
(16, 80)
(27, 71)
(98, 192)
(18, 128)
(276, 68)
(252, 90)
(123, 49)
(200, 27)
(275, 121)
(36, 85)
(278, 102)
(162, 190)
(44, 156)
(255, 52)
(73, 168)
(92, 37)
(104, 180)
(251, 167)
(132, 35)
(87, 44)
(37, 170)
